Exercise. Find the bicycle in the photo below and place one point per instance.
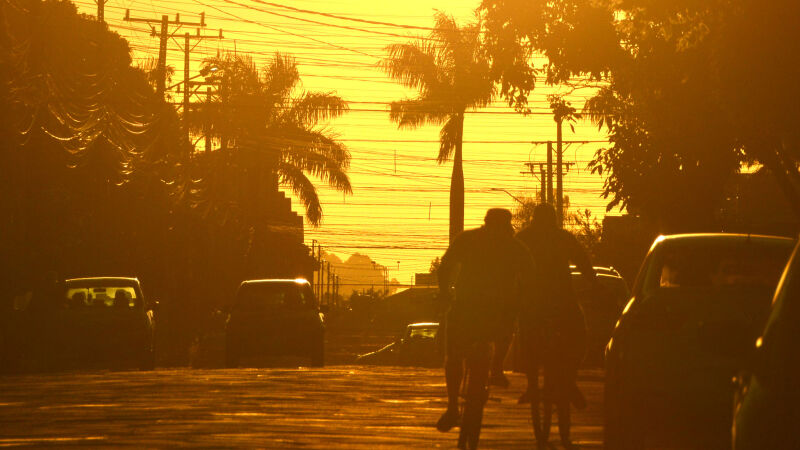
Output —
(475, 390)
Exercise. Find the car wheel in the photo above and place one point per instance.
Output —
(148, 361)
(231, 358)
(318, 353)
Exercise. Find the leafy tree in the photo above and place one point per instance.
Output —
(451, 75)
(586, 228)
(270, 135)
(688, 92)
(79, 124)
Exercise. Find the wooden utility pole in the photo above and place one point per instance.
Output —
(336, 290)
(319, 272)
(101, 10)
(559, 178)
(543, 179)
(187, 48)
(550, 172)
(328, 284)
(163, 34)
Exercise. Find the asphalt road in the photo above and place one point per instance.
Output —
(345, 406)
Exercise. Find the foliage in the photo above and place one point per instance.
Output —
(98, 176)
(270, 136)
(582, 224)
(435, 263)
(451, 75)
(688, 91)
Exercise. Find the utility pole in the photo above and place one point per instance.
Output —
(336, 290)
(550, 172)
(313, 245)
(101, 10)
(543, 179)
(163, 34)
(319, 273)
(328, 284)
(559, 178)
(546, 170)
(187, 48)
(208, 138)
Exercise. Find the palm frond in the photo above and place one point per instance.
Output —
(313, 107)
(304, 189)
(414, 65)
(281, 76)
(414, 113)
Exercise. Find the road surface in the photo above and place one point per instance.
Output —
(352, 407)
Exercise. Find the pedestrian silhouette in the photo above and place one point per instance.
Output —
(552, 324)
(479, 278)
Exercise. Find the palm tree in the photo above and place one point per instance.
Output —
(269, 136)
(451, 76)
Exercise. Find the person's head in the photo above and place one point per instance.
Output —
(121, 299)
(544, 217)
(498, 220)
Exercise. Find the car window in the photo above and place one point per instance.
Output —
(270, 295)
(716, 266)
(102, 297)
(423, 333)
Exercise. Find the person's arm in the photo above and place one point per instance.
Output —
(447, 267)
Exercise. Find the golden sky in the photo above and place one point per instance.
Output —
(398, 212)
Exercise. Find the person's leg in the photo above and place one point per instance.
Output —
(453, 373)
(501, 346)
(478, 360)
(531, 350)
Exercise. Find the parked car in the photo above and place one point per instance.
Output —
(275, 317)
(84, 321)
(419, 346)
(698, 300)
(767, 401)
(601, 305)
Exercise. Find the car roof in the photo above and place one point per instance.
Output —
(277, 281)
(93, 281)
(423, 325)
(599, 270)
(715, 237)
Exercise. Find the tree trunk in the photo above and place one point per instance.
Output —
(457, 186)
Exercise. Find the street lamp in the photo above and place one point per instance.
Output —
(509, 193)
(204, 72)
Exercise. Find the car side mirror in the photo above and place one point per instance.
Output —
(153, 305)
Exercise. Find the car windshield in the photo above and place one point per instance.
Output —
(102, 297)
(272, 295)
(710, 265)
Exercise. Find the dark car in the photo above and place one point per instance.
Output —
(697, 302)
(767, 401)
(85, 321)
(273, 318)
(601, 305)
(419, 346)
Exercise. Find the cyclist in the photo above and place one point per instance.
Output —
(485, 267)
(553, 328)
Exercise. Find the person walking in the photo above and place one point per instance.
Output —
(552, 325)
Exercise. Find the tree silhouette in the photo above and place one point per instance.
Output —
(448, 70)
(690, 91)
(269, 136)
